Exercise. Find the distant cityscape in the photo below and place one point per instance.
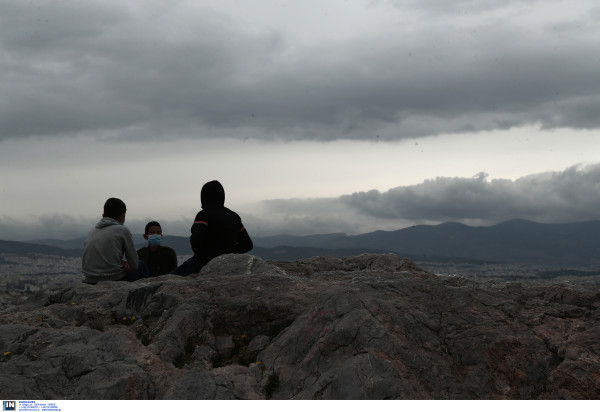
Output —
(22, 276)
(573, 277)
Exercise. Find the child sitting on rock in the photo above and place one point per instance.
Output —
(159, 259)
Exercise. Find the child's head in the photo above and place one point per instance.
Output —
(115, 209)
(153, 228)
(153, 233)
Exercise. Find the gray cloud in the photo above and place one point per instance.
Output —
(570, 195)
(168, 69)
(566, 196)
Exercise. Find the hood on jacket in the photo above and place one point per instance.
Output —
(107, 221)
(212, 194)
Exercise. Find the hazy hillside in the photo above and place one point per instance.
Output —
(63, 244)
(514, 241)
(20, 248)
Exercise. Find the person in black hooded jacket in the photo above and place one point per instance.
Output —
(217, 230)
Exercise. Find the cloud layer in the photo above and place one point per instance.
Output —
(119, 95)
(157, 69)
(571, 195)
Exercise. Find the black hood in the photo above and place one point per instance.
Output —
(212, 194)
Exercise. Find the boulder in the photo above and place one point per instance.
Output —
(364, 327)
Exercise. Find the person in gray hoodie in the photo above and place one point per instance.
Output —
(105, 246)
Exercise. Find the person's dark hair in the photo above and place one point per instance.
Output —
(114, 208)
(212, 194)
(150, 224)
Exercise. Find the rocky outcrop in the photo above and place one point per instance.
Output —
(366, 327)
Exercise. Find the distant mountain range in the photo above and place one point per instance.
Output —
(514, 241)
(22, 248)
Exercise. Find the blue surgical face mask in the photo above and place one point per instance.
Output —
(154, 240)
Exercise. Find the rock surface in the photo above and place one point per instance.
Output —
(366, 327)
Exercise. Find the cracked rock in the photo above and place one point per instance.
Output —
(363, 327)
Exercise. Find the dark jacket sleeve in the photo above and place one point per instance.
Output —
(199, 229)
(244, 243)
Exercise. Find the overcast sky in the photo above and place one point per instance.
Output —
(317, 116)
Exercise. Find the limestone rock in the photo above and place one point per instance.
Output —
(365, 327)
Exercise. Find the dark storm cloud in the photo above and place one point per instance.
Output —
(115, 67)
(138, 70)
(569, 195)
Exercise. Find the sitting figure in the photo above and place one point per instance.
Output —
(216, 231)
(159, 259)
(106, 245)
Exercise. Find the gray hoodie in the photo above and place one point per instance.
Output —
(104, 248)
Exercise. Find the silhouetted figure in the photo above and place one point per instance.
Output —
(216, 231)
(106, 245)
(160, 259)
